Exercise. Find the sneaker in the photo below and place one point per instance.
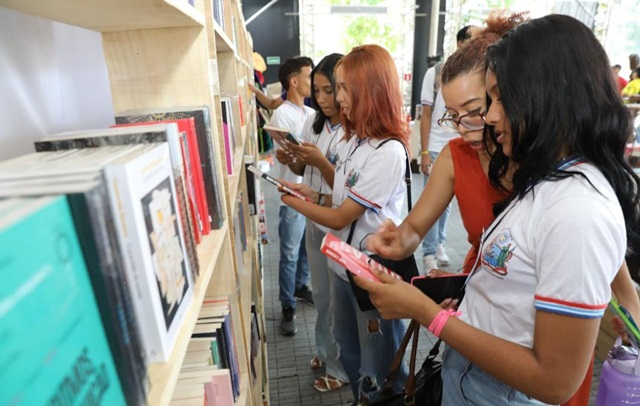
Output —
(305, 294)
(288, 321)
(429, 262)
(441, 255)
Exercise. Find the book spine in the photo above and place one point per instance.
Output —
(216, 209)
(234, 367)
(196, 166)
(104, 265)
(187, 232)
(192, 198)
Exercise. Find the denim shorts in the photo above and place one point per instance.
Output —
(466, 384)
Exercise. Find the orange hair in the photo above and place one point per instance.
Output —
(373, 85)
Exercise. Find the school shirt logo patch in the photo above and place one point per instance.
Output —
(333, 157)
(498, 253)
(352, 179)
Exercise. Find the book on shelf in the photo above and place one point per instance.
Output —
(157, 133)
(242, 224)
(192, 162)
(54, 349)
(206, 149)
(262, 219)
(142, 195)
(251, 185)
(217, 9)
(229, 133)
(211, 387)
(89, 202)
(222, 331)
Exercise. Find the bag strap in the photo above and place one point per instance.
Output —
(407, 170)
(394, 369)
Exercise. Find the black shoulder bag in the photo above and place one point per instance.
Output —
(406, 267)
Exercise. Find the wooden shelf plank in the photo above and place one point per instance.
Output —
(163, 377)
(112, 15)
(223, 43)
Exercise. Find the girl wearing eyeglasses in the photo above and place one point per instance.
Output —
(528, 323)
(461, 169)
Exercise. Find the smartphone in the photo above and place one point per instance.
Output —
(293, 139)
(627, 320)
(441, 287)
(277, 183)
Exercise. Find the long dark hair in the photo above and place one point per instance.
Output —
(326, 67)
(560, 98)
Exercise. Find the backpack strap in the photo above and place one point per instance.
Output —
(407, 170)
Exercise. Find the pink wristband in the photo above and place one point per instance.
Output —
(438, 322)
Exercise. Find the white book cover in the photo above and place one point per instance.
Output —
(143, 201)
(57, 163)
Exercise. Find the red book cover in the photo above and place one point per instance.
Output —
(187, 125)
(356, 262)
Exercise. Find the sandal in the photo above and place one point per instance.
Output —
(316, 363)
(327, 383)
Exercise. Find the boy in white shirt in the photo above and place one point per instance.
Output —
(293, 270)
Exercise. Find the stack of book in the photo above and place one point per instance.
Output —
(211, 369)
(124, 209)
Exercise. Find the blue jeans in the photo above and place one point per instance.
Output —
(466, 384)
(367, 343)
(321, 280)
(438, 233)
(293, 271)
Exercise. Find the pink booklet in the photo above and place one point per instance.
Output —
(353, 260)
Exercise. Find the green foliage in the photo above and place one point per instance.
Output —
(368, 29)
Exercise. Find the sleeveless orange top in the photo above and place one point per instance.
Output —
(475, 195)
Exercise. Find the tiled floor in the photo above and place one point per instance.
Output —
(290, 378)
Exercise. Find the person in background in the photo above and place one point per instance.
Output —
(530, 317)
(620, 81)
(293, 270)
(274, 102)
(633, 87)
(368, 188)
(432, 139)
(315, 160)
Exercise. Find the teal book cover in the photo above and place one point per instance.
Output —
(53, 348)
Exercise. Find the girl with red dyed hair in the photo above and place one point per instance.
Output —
(368, 189)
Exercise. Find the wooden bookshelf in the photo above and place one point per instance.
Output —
(165, 54)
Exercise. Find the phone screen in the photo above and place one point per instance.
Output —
(292, 138)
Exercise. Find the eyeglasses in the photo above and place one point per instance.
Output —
(473, 121)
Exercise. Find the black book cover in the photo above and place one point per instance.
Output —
(99, 244)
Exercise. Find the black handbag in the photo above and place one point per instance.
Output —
(422, 389)
(406, 268)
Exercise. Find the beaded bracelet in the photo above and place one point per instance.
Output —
(438, 322)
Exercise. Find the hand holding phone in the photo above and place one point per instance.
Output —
(277, 183)
(441, 287)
